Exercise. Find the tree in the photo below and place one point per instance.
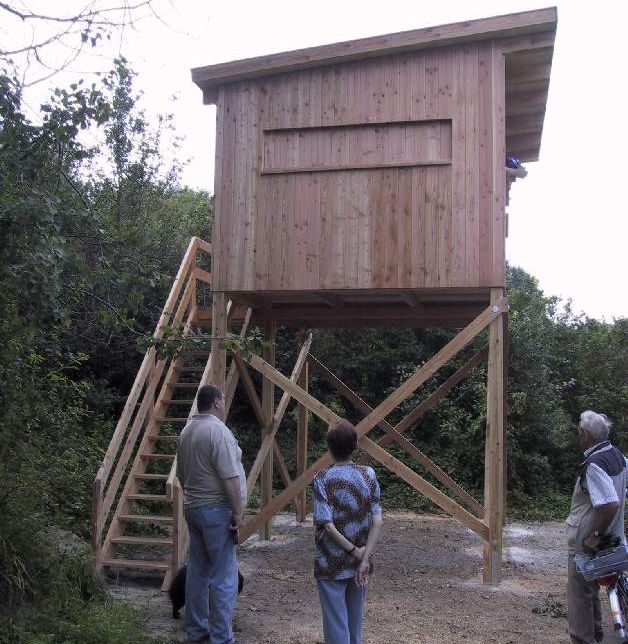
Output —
(83, 264)
(53, 39)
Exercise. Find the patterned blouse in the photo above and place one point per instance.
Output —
(348, 496)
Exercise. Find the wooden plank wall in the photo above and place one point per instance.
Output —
(383, 173)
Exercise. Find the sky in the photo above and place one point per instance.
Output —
(568, 221)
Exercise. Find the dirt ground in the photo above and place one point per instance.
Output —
(427, 587)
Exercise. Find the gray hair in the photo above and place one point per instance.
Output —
(597, 426)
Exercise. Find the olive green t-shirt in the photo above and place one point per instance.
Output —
(208, 453)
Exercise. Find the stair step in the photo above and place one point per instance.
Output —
(163, 438)
(146, 497)
(171, 401)
(151, 477)
(145, 518)
(166, 419)
(185, 385)
(137, 564)
(144, 541)
(159, 457)
(190, 369)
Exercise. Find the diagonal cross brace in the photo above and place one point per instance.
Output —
(269, 436)
(378, 414)
(392, 434)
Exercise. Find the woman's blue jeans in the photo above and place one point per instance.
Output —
(342, 605)
(212, 577)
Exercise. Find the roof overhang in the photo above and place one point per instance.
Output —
(528, 43)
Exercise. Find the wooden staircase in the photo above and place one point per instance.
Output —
(137, 500)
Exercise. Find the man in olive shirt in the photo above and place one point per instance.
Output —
(209, 467)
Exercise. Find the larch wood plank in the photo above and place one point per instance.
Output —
(486, 161)
(498, 271)
(366, 222)
(472, 228)
(250, 390)
(394, 436)
(268, 406)
(378, 414)
(419, 192)
(219, 158)
(431, 228)
(378, 253)
(405, 229)
(339, 228)
(422, 486)
(522, 24)
(494, 452)
(391, 235)
(445, 243)
(458, 160)
(302, 440)
(277, 417)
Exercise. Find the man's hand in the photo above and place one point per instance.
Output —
(236, 521)
(592, 542)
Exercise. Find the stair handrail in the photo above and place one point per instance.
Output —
(142, 385)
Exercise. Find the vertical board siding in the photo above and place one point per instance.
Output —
(303, 227)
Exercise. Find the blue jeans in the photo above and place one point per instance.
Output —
(212, 575)
(342, 605)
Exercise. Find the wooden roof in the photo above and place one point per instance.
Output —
(528, 44)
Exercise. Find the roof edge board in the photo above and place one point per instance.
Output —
(209, 78)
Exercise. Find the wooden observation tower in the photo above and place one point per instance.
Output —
(362, 183)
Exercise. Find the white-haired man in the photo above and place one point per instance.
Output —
(597, 509)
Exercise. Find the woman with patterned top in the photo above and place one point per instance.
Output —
(348, 520)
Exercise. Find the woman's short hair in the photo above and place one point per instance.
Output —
(598, 426)
(342, 440)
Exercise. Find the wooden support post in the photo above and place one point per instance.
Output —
(505, 416)
(268, 406)
(494, 463)
(302, 430)
(364, 426)
(219, 330)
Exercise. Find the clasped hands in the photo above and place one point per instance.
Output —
(361, 577)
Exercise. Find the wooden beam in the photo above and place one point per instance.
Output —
(412, 300)
(219, 331)
(302, 441)
(438, 394)
(454, 315)
(425, 488)
(268, 405)
(329, 299)
(234, 374)
(494, 463)
(269, 436)
(283, 472)
(249, 387)
(506, 362)
(201, 275)
(431, 367)
(209, 78)
(404, 443)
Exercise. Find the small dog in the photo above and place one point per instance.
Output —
(177, 590)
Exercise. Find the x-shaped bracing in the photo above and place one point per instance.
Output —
(374, 417)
